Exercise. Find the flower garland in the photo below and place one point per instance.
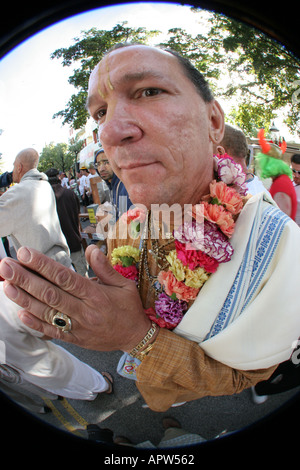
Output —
(199, 247)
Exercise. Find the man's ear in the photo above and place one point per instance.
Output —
(20, 168)
(217, 124)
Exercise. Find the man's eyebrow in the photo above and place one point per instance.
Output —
(138, 76)
(128, 78)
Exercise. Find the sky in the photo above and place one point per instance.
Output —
(33, 87)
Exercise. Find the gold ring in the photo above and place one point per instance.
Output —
(62, 321)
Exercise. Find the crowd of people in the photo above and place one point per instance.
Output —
(200, 312)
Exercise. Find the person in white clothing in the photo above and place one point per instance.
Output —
(64, 180)
(92, 174)
(83, 185)
(28, 210)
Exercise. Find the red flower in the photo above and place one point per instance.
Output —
(195, 258)
(150, 312)
(130, 272)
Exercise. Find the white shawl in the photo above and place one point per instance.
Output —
(247, 314)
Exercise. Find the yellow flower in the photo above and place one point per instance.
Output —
(191, 278)
(176, 266)
(196, 278)
(125, 250)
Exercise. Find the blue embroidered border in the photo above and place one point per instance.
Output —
(272, 224)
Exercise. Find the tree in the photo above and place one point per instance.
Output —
(262, 75)
(88, 51)
(57, 156)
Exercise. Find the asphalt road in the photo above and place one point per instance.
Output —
(124, 414)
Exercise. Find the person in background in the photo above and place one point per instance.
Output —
(64, 180)
(5, 181)
(295, 164)
(119, 195)
(92, 174)
(83, 186)
(234, 143)
(28, 210)
(271, 164)
(68, 209)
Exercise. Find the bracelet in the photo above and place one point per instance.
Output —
(145, 340)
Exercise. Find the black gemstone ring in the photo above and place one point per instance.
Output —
(62, 321)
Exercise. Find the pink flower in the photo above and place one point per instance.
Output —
(137, 214)
(172, 286)
(130, 272)
(195, 258)
(226, 196)
(232, 173)
(220, 216)
(206, 237)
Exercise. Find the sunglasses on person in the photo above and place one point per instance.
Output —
(297, 172)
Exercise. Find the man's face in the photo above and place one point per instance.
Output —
(296, 172)
(103, 167)
(153, 125)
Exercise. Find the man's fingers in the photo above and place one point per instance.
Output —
(42, 300)
(47, 329)
(63, 277)
(24, 287)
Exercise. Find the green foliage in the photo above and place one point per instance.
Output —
(59, 156)
(262, 73)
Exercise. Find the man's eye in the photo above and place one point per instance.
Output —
(151, 92)
(100, 114)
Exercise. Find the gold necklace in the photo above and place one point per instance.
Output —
(157, 251)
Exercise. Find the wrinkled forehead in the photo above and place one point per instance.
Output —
(132, 58)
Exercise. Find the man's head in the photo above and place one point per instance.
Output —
(157, 129)
(54, 176)
(84, 171)
(26, 160)
(92, 169)
(295, 164)
(235, 144)
(103, 166)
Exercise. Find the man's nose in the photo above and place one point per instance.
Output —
(120, 127)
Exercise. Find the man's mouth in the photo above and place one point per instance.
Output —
(135, 165)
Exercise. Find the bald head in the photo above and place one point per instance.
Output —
(26, 160)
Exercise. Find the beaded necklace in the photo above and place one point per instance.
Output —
(201, 244)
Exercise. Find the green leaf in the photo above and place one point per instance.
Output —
(127, 261)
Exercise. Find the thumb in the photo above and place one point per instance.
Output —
(103, 269)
